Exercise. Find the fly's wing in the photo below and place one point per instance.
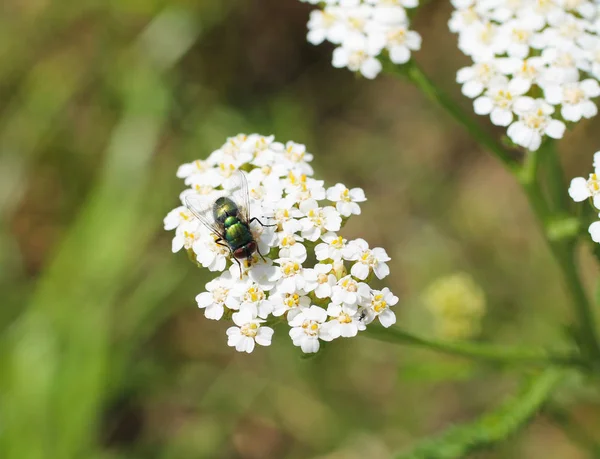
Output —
(237, 189)
(202, 208)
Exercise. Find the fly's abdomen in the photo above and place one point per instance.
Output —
(238, 235)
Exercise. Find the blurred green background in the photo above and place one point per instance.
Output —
(104, 354)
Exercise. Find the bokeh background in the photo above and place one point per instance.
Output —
(104, 354)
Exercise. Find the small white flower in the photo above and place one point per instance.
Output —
(379, 306)
(582, 189)
(346, 200)
(477, 78)
(186, 234)
(248, 332)
(290, 303)
(357, 56)
(534, 122)
(210, 254)
(498, 101)
(325, 280)
(295, 277)
(249, 295)
(350, 292)
(401, 42)
(217, 297)
(177, 217)
(309, 326)
(318, 219)
(575, 99)
(331, 248)
(195, 167)
(367, 260)
(325, 25)
(290, 243)
(346, 321)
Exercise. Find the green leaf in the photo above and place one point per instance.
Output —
(495, 426)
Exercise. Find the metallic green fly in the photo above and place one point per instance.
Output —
(228, 217)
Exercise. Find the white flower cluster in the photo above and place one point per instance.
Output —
(582, 189)
(363, 30)
(536, 63)
(303, 273)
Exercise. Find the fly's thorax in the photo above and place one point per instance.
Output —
(224, 208)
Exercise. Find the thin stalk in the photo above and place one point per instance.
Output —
(476, 351)
(526, 174)
(556, 182)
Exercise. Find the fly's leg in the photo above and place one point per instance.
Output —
(261, 223)
(218, 242)
(258, 250)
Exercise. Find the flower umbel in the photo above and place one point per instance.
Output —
(535, 63)
(270, 278)
(364, 30)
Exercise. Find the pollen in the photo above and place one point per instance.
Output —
(344, 318)
(290, 268)
(346, 195)
(220, 294)
(338, 242)
(397, 37)
(250, 330)
(350, 285)
(379, 306)
(593, 184)
(254, 295)
(357, 23)
(573, 96)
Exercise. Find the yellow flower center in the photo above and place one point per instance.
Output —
(322, 278)
(356, 23)
(291, 300)
(288, 240)
(220, 294)
(291, 268)
(349, 285)
(520, 35)
(378, 304)
(593, 183)
(528, 70)
(254, 294)
(573, 95)
(344, 318)
(503, 98)
(203, 189)
(536, 121)
(310, 327)
(249, 330)
(226, 169)
(356, 59)
(397, 37)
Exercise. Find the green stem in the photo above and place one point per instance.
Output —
(526, 174)
(556, 182)
(477, 351)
